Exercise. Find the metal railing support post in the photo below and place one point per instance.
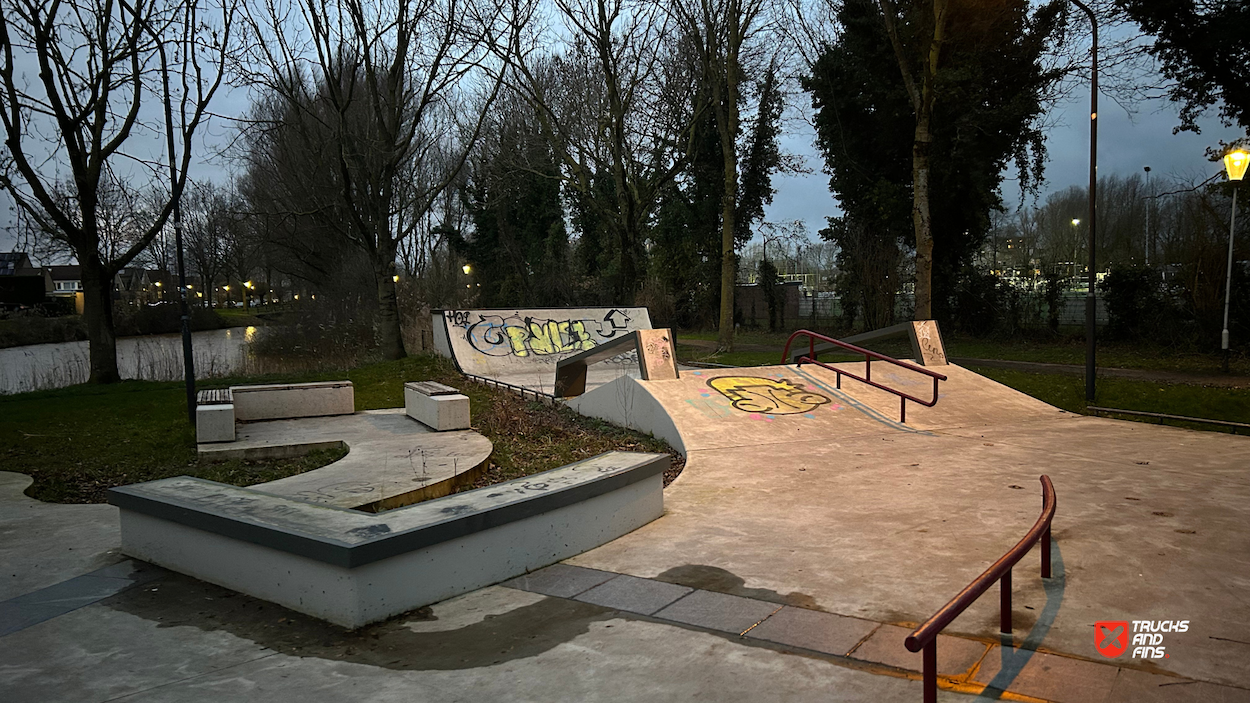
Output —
(1046, 553)
(1004, 603)
(930, 672)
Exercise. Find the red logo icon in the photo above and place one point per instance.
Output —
(1111, 637)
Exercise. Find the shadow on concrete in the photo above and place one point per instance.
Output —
(1015, 658)
(714, 578)
(520, 633)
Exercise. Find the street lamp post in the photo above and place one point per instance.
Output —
(1235, 163)
(1149, 204)
(1090, 299)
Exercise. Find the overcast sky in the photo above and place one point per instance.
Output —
(1125, 145)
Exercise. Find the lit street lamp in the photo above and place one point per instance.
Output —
(1235, 163)
(467, 269)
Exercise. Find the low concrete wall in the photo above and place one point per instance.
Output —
(353, 568)
(290, 400)
(625, 402)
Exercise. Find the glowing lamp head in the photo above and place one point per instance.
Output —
(467, 269)
(1075, 221)
(1235, 163)
(395, 278)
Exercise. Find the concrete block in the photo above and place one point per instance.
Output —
(560, 580)
(214, 423)
(289, 400)
(438, 412)
(634, 595)
(718, 611)
(812, 629)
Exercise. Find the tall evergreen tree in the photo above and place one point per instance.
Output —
(990, 91)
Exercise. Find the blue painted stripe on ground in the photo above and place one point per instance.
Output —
(17, 614)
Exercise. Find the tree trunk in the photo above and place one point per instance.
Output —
(921, 219)
(392, 338)
(728, 262)
(727, 124)
(97, 311)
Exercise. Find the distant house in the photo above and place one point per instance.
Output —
(66, 281)
(16, 263)
(21, 284)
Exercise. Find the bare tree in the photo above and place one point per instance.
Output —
(98, 62)
(370, 89)
(618, 105)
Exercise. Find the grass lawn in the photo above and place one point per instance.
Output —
(1038, 347)
(1068, 393)
(78, 442)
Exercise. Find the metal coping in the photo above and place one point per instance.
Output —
(385, 544)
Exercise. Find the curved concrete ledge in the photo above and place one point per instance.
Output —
(392, 459)
(353, 568)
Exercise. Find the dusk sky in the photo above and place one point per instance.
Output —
(1125, 144)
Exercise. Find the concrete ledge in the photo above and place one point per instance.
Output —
(352, 568)
(291, 400)
(214, 423)
(440, 411)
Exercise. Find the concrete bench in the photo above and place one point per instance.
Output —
(214, 416)
(291, 400)
(353, 568)
(436, 406)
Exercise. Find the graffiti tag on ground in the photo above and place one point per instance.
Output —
(752, 394)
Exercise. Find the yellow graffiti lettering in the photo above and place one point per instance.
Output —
(517, 337)
(764, 395)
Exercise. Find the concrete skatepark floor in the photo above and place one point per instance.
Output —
(852, 520)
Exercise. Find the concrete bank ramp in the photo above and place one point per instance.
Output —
(763, 405)
(522, 346)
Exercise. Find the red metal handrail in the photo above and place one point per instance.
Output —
(869, 355)
(925, 636)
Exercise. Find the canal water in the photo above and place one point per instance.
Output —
(153, 358)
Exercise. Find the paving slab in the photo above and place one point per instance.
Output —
(956, 655)
(634, 595)
(561, 580)
(58, 599)
(718, 611)
(814, 630)
(42, 544)
(1049, 676)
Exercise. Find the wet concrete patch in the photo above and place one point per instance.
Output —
(522, 632)
(718, 580)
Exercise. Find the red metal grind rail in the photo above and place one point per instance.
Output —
(867, 377)
(925, 636)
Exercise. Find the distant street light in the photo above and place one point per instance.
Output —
(1149, 204)
(395, 278)
(1235, 163)
(1091, 327)
(467, 269)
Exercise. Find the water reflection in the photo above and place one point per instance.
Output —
(153, 358)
